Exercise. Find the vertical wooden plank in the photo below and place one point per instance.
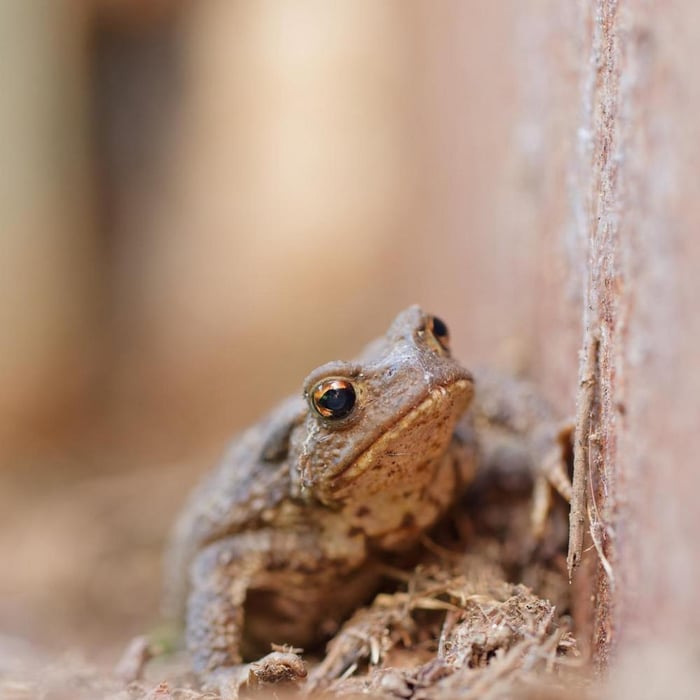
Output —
(631, 143)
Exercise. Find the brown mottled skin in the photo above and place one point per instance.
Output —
(282, 541)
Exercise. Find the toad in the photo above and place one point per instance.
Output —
(286, 537)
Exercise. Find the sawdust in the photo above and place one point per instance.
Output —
(486, 614)
(458, 629)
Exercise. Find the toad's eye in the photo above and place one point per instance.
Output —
(333, 398)
(439, 330)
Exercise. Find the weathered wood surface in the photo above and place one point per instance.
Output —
(617, 102)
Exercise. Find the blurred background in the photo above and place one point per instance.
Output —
(202, 201)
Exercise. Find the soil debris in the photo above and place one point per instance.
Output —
(458, 628)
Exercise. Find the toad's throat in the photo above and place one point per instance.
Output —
(458, 392)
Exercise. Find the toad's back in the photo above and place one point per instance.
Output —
(247, 486)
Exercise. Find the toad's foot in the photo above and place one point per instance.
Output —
(552, 475)
(277, 667)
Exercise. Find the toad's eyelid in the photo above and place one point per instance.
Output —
(337, 369)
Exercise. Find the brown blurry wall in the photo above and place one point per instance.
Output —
(200, 202)
(204, 200)
(47, 239)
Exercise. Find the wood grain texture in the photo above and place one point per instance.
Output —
(616, 113)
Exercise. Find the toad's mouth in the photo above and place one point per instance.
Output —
(459, 393)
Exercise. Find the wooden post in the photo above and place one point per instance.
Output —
(630, 145)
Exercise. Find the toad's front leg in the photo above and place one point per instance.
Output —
(515, 430)
(221, 576)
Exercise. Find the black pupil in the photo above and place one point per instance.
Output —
(439, 328)
(338, 401)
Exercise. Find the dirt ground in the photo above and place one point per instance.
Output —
(486, 613)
